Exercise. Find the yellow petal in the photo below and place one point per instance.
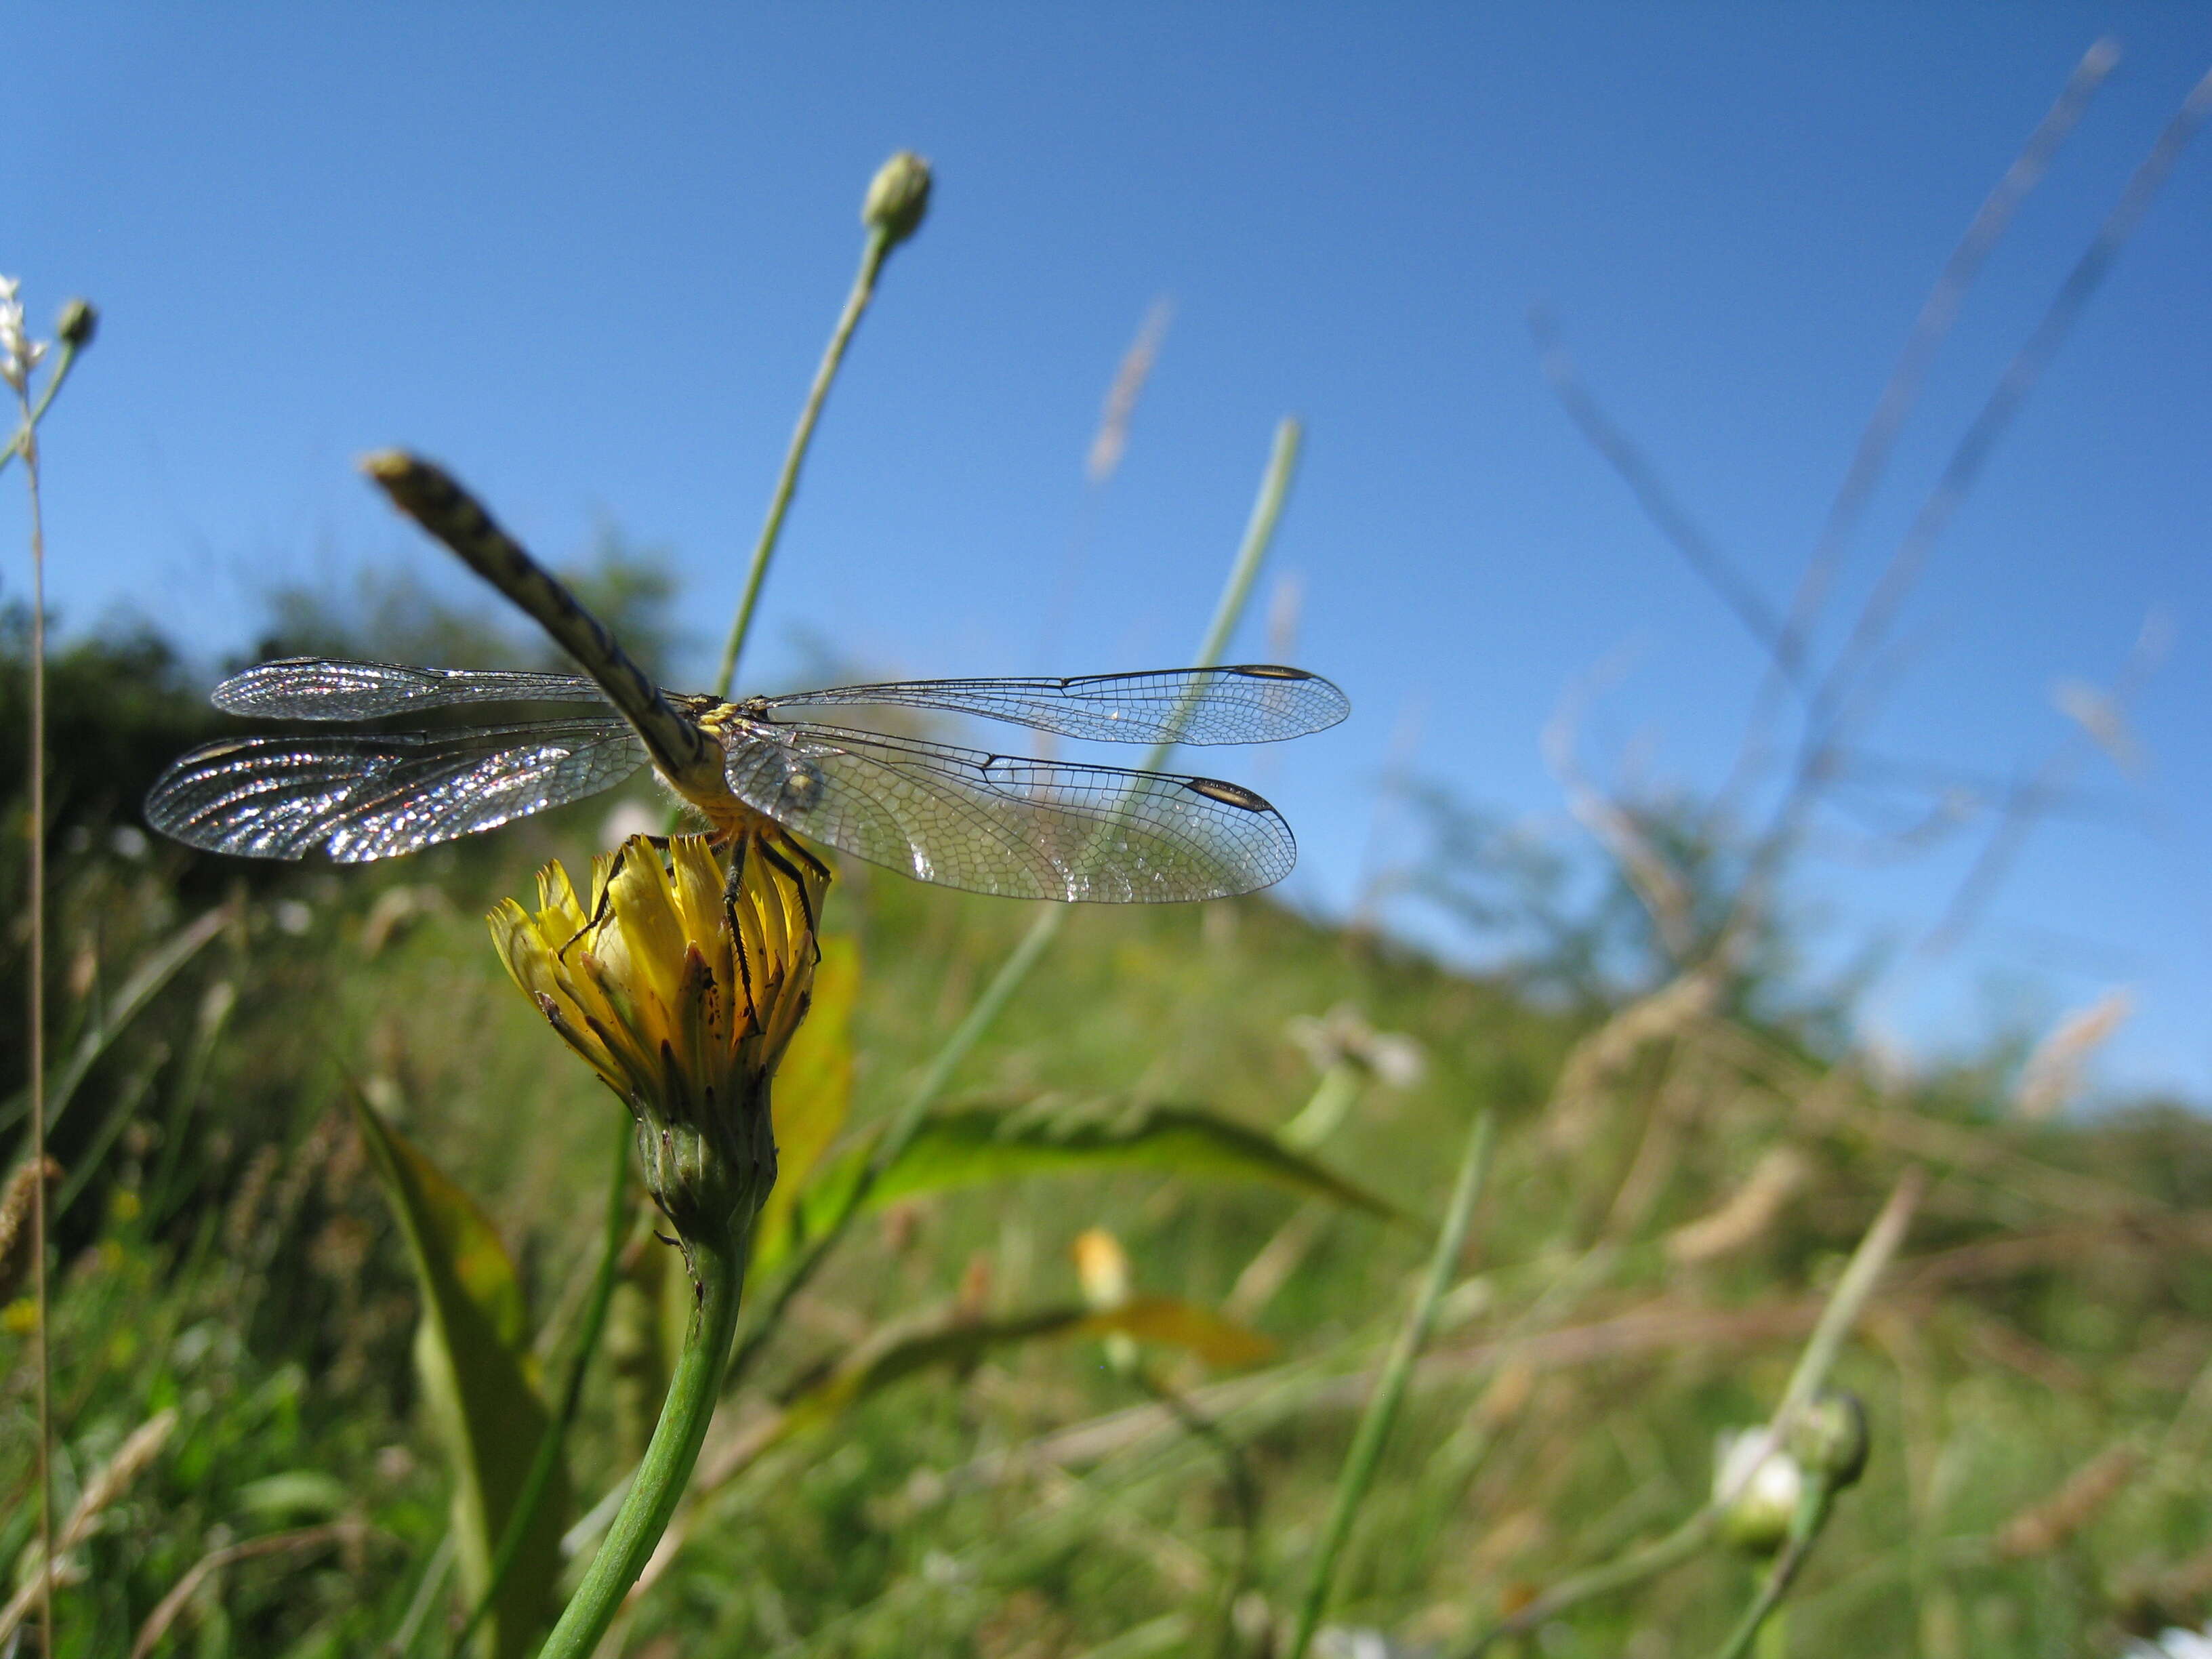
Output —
(645, 916)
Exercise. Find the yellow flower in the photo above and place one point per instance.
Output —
(682, 990)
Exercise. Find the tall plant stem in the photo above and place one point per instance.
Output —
(1366, 1453)
(26, 436)
(27, 445)
(878, 247)
(718, 1265)
(1235, 592)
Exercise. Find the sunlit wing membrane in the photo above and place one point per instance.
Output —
(322, 688)
(1022, 828)
(1255, 703)
(375, 795)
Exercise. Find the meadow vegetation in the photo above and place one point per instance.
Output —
(1093, 1372)
(1677, 1180)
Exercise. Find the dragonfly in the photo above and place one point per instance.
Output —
(963, 818)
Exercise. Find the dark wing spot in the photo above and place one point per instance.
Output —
(1268, 670)
(1229, 794)
(802, 789)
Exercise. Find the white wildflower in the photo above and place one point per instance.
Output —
(2174, 1643)
(1343, 1036)
(19, 354)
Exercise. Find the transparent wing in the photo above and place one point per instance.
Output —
(999, 823)
(323, 689)
(1257, 702)
(372, 795)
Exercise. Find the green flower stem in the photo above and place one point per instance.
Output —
(879, 245)
(1366, 1453)
(25, 434)
(718, 1266)
(1813, 1508)
(1235, 593)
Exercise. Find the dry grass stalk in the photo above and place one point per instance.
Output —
(1271, 1266)
(1996, 1340)
(1259, 1399)
(14, 1210)
(1606, 1053)
(2059, 1248)
(1112, 440)
(1978, 1153)
(1690, 1082)
(1778, 1176)
(348, 1534)
(2052, 1076)
(114, 1479)
(1656, 881)
(2050, 1525)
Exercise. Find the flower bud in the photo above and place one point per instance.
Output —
(1102, 1267)
(80, 321)
(1830, 1437)
(898, 198)
(1759, 1485)
(682, 994)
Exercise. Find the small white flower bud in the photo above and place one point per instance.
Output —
(898, 197)
(1760, 1484)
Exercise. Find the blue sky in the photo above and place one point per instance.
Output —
(588, 256)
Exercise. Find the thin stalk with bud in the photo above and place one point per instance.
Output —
(682, 986)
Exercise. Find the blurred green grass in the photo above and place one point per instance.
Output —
(229, 1258)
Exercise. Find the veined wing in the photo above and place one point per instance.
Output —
(371, 795)
(324, 689)
(1257, 702)
(999, 823)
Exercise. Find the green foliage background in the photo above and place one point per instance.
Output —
(2038, 1366)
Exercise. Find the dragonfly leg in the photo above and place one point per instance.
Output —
(744, 967)
(600, 911)
(798, 849)
(776, 856)
(739, 844)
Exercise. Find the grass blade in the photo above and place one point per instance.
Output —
(1251, 553)
(1366, 1453)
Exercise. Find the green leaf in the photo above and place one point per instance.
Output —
(965, 1148)
(471, 1350)
(814, 1089)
